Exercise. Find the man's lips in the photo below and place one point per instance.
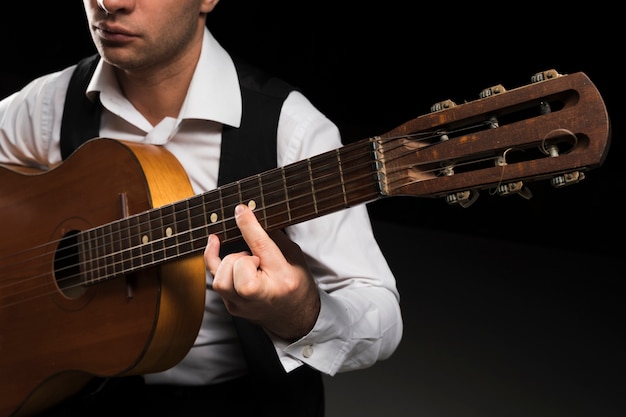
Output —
(113, 33)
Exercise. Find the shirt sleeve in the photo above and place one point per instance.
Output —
(360, 321)
(30, 122)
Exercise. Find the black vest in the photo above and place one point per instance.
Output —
(247, 150)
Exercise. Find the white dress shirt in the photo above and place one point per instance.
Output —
(360, 320)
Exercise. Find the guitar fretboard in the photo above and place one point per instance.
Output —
(284, 196)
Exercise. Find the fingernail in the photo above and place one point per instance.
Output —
(238, 209)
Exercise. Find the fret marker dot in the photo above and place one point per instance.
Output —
(168, 232)
(252, 204)
(144, 239)
(213, 217)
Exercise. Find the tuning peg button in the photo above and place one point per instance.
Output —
(442, 105)
(567, 178)
(515, 187)
(462, 198)
(544, 75)
(492, 91)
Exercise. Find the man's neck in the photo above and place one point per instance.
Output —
(159, 92)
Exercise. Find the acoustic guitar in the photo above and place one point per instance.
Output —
(101, 270)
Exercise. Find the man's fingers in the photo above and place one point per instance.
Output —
(256, 237)
(212, 254)
(247, 283)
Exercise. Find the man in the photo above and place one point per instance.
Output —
(320, 291)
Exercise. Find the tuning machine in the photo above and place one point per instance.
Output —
(513, 187)
(544, 75)
(567, 178)
(462, 198)
(442, 105)
(492, 91)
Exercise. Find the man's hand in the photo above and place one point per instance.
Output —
(272, 286)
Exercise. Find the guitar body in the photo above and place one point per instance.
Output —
(55, 337)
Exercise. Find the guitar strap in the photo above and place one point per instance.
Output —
(247, 150)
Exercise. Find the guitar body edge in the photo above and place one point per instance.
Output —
(51, 342)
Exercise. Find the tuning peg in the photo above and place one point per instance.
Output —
(492, 91)
(442, 105)
(544, 75)
(462, 198)
(567, 178)
(515, 187)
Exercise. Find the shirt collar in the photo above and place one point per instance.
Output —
(214, 92)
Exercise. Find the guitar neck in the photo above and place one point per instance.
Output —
(281, 197)
(559, 122)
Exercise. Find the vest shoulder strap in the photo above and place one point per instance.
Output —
(81, 116)
(251, 148)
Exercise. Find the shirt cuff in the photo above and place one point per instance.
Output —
(325, 346)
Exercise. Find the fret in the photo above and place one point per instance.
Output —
(125, 245)
(213, 212)
(116, 249)
(222, 212)
(157, 234)
(121, 236)
(359, 172)
(134, 234)
(100, 249)
(275, 202)
(108, 254)
(182, 227)
(83, 252)
(145, 235)
(198, 222)
(262, 214)
(250, 194)
(284, 178)
(340, 173)
(88, 256)
(328, 183)
(230, 198)
(312, 185)
(301, 202)
(168, 224)
(91, 255)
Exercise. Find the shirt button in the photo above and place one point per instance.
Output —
(307, 351)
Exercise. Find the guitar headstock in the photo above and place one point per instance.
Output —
(557, 128)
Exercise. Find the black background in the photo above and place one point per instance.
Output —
(512, 306)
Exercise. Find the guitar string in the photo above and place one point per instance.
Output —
(204, 237)
(45, 255)
(268, 208)
(50, 244)
(54, 243)
(191, 232)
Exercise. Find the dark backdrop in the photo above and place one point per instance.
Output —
(512, 306)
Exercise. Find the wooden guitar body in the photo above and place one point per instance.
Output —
(54, 334)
